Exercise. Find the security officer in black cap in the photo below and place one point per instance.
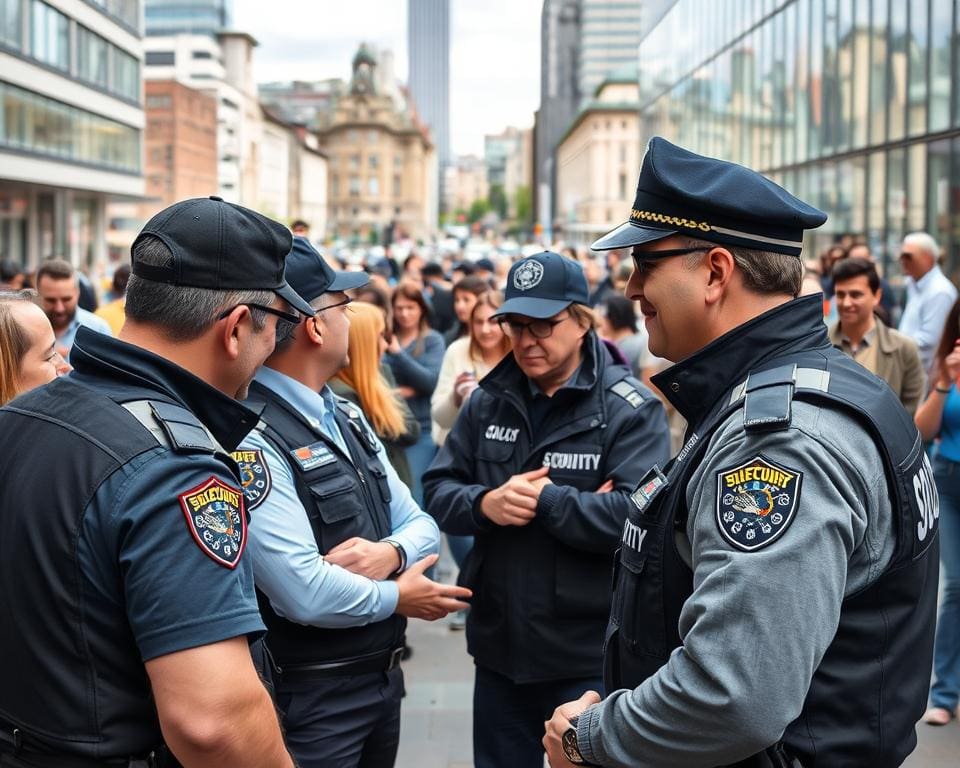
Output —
(538, 468)
(339, 546)
(777, 581)
(126, 602)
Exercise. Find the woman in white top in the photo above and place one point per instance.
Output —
(466, 361)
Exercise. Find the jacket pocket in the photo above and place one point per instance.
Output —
(638, 597)
(337, 498)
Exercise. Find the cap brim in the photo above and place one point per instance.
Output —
(294, 299)
(346, 281)
(628, 235)
(531, 307)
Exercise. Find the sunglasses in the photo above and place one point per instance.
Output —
(639, 258)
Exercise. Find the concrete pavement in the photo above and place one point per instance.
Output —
(436, 723)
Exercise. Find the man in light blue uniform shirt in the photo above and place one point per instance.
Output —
(339, 547)
(58, 284)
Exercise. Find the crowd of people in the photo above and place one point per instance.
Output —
(518, 406)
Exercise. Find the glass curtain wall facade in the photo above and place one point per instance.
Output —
(853, 105)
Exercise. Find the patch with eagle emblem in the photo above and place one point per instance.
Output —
(756, 502)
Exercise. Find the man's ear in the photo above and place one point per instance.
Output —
(233, 327)
(313, 327)
(720, 266)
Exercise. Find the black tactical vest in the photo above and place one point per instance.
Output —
(344, 496)
(83, 436)
(871, 685)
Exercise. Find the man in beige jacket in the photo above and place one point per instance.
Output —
(883, 351)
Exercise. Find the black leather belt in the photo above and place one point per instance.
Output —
(27, 752)
(381, 661)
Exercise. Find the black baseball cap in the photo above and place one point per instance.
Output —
(683, 193)
(542, 285)
(310, 275)
(222, 246)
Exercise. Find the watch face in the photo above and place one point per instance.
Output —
(570, 749)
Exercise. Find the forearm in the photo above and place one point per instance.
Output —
(409, 372)
(930, 413)
(415, 531)
(588, 521)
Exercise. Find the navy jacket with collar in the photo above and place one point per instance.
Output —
(542, 591)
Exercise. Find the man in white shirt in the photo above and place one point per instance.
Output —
(930, 294)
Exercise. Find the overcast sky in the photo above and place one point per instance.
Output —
(494, 56)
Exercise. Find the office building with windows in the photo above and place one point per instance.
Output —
(71, 124)
(187, 17)
(853, 105)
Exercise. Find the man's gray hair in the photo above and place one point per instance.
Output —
(925, 242)
(286, 331)
(183, 313)
(764, 272)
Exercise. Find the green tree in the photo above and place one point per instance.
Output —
(498, 200)
(478, 209)
(524, 202)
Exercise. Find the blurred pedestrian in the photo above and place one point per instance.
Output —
(28, 353)
(939, 418)
(58, 284)
(881, 350)
(127, 607)
(112, 312)
(465, 293)
(338, 545)
(538, 468)
(438, 293)
(414, 354)
(618, 323)
(887, 311)
(12, 276)
(362, 381)
(930, 294)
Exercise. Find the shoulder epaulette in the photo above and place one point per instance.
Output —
(628, 392)
(173, 426)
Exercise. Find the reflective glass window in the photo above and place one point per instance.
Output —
(11, 26)
(938, 192)
(92, 57)
(953, 257)
(126, 75)
(879, 64)
(860, 74)
(816, 97)
(916, 186)
(876, 207)
(897, 70)
(941, 22)
(846, 66)
(50, 38)
(917, 83)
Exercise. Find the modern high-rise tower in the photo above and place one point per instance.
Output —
(194, 17)
(428, 46)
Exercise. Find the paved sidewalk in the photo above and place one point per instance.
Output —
(436, 724)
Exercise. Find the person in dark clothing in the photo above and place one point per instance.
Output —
(440, 296)
(465, 293)
(538, 468)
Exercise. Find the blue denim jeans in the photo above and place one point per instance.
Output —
(946, 655)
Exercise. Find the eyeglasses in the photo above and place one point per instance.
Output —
(343, 303)
(651, 255)
(288, 317)
(539, 329)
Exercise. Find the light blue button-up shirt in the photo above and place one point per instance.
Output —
(929, 300)
(84, 318)
(287, 565)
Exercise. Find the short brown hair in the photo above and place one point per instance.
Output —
(583, 316)
(56, 269)
(764, 272)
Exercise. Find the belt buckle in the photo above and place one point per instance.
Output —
(396, 655)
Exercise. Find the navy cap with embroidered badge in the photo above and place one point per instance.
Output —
(683, 193)
(542, 285)
(311, 276)
(220, 245)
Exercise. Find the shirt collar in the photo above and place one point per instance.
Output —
(928, 279)
(694, 385)
(118, 366)
(313, 406)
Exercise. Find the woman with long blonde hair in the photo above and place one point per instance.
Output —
(363, 381)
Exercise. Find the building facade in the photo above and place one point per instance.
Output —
(466, 181)
(609, 35)
(193, 17)
(71, 125)
(382, 167)
(428, 47)
(597, 162)
(854, 105)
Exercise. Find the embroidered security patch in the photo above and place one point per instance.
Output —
(756, 502)
(216, 518)
(254, 476)
(528, 275)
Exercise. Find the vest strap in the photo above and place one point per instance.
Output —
(173, 427)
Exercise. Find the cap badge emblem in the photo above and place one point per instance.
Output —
(528, 275)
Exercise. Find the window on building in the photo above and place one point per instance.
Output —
(334, 185)
(353, 136)
(354, 162)
(622, 186)
(373, 136)
(50, 36)
(623, 155)
(11, 26)
(126, 75)
(373, 186)
(397, 185)
(159, 102)
(354, 186)
(160, 59)
(373, 160)
(397, 161)
(92, 57)
(202, 55)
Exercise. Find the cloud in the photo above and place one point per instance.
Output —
(494, 56)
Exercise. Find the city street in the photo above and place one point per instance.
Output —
(436, 725)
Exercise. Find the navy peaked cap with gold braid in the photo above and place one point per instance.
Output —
(682, 193)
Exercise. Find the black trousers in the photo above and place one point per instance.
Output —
(343, 722)
(508, 717)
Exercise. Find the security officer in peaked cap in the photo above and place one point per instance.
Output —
(339, 547)
(538, 468)
(776, 582)
(126, 600)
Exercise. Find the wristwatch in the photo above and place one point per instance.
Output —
(401, 553)
(569, 743)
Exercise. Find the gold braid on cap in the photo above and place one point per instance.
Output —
(661, 218)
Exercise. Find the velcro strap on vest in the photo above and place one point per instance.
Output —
(769, 395)
(173, 427)
(628, 392)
